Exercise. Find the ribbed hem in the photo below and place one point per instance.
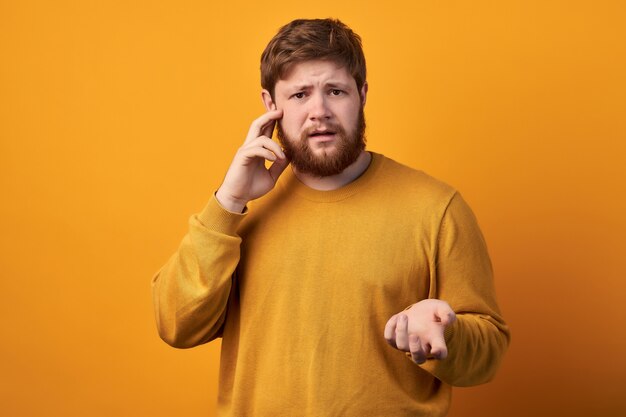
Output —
(292, 183)
(448, 332)
(217, 218)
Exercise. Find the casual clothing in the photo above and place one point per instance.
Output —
(300, 288)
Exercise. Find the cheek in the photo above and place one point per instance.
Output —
(291, 122)
(351, 116)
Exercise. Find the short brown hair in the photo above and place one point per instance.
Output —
(304, 40)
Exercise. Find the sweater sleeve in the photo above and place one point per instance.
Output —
(190, 293)
(463, 277)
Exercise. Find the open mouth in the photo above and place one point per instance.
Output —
(322, 135)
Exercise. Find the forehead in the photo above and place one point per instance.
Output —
(315, 72)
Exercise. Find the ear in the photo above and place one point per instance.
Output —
(268, 102)
(364, 93)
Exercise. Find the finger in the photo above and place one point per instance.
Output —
(438, 348)
(277, 168)
(402, 333)
(263, 123)
(250, 154)
(267, 143)
(390, 330)
(268, 129)
(417, 351)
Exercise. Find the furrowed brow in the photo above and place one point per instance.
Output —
(338, 84)
(299, 87)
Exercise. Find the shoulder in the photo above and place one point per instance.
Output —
(414, 184)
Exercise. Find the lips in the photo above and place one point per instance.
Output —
(322, 133)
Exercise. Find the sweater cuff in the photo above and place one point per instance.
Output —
(217, 218)
(449, 331)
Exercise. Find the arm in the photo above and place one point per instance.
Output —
(460, 341)
(190, 293)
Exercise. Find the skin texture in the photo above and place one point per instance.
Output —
(321, 97)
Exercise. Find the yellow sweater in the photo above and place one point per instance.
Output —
(300, 288)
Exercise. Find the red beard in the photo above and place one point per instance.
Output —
(348, 149)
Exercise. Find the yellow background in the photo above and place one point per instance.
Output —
(118, 119)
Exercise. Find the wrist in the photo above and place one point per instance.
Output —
(229, 203)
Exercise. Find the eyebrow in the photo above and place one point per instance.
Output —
(331, 84)
(341, 85)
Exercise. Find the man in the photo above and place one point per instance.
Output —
(348, 285)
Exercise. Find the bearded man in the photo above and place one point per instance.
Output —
(348, 285)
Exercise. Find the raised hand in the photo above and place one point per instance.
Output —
(247, 177)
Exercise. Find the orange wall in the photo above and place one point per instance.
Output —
(118, 120)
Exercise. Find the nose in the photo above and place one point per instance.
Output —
(319, 109)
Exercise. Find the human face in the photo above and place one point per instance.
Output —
(322, 129)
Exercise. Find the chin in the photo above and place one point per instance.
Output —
(324, 151)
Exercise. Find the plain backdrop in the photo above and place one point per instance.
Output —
(118, 120)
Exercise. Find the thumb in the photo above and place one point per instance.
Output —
(445, 314)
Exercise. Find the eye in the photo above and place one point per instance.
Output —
(298, 95)
(336, 92)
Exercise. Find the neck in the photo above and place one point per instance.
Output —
(333, 182)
